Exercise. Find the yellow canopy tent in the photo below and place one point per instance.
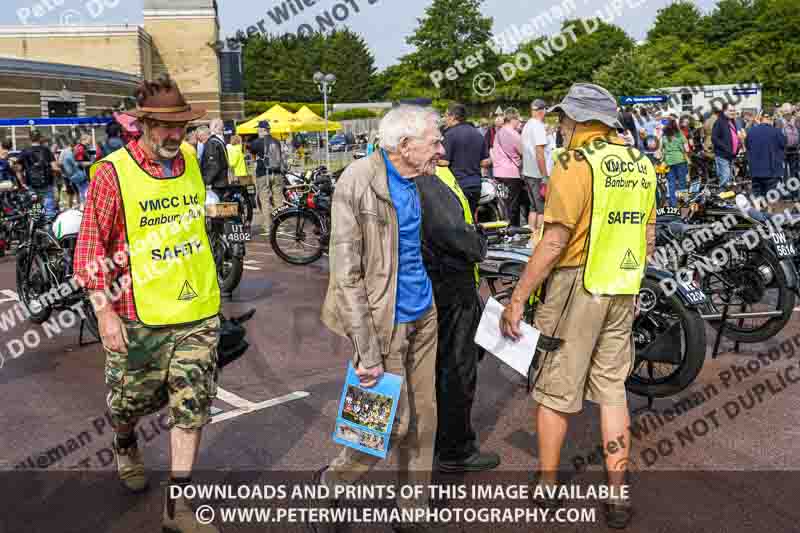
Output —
(281, 122)
(310, 121)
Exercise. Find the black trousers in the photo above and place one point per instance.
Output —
(459, 312)
(517, 198)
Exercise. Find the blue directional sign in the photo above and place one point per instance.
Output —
(746, 92)
(652, 99)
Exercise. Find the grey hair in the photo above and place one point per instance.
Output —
(217, 126)
(203, 130)
(403, 122)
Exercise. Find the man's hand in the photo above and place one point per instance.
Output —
(369, 376)
(509, 321)
(113, 334)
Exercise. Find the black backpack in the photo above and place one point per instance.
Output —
(38, 172)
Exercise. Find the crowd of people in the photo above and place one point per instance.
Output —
(403, 285)
(58, 174)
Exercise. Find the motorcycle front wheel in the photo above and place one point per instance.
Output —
(33, 282)
(670, 344)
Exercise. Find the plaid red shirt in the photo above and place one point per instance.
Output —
(103, 231)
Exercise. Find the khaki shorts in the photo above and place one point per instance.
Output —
(175, 366)
(597, 354)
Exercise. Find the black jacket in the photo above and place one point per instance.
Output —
(214, 164)
(450, 246)
(721, 138)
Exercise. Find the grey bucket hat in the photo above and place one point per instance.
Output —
(586, 102)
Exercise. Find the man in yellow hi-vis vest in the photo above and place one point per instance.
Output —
(144, 256)
(451, 249)
(599, 229)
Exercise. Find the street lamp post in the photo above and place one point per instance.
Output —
(325, 83)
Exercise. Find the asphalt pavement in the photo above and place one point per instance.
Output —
(708, 460)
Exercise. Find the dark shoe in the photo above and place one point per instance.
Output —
(477, 462)
(180, 517)
(618, 515)
(323, 503)
(545, 501)
(130, 467)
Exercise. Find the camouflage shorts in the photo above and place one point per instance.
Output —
(175, 366)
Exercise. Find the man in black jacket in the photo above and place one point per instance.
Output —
(450, 249)
(214, 162)
(726, 141)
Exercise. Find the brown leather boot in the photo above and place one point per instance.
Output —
(130, 467)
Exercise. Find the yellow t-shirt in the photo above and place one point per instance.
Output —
(569, 195)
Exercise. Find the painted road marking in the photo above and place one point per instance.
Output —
(258, 406)
(8, 296)
(233, 399)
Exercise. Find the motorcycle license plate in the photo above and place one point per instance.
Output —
(783, 246)
(668, 211)
(692, 293)
(236, 232)
(251, 189)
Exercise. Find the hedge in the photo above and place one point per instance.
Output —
(352, 114)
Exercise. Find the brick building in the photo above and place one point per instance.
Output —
(48, 71)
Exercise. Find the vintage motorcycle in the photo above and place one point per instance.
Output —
(743, 264)
(44, 270)
(300, 231)
(227, 235)
(492, 204)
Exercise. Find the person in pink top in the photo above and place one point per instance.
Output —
(507, 160)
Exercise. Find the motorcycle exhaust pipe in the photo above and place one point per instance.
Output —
(756, 314)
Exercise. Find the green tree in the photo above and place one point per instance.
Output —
(450, 31)
(730, 20)
(629, 73)
(554, 68)
(679, 19)
(282, 67)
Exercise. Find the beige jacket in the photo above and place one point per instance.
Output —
(362, 290)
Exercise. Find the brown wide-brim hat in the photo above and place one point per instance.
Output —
(166, 106)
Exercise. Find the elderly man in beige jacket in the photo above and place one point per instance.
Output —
(380, 296)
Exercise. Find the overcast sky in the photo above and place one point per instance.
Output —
(384, 23)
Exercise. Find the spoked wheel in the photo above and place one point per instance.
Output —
(229, 267)
(297, 237)
(756, 284)
(670, 344)
(32, 283)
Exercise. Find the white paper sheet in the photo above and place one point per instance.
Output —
(516, 354)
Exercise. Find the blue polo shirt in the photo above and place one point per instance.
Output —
(414, 291)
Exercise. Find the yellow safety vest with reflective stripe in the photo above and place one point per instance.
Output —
(623, 196)
(446, 175)
(173, 274)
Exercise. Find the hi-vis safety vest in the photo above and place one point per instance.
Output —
(173, 274)
(623, 196)
(446, 175)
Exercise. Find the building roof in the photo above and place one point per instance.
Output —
(179, 4)
(17, 67)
